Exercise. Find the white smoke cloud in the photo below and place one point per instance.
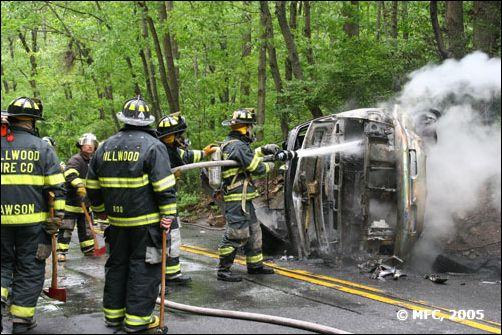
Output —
(467, 156)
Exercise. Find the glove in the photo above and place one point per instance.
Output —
(81, 191)
(51, 225)
(270, 149)
(177, 174)
(166, 221)
(285, 155)
(209, 149)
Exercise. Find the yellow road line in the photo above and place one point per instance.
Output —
(373, 294)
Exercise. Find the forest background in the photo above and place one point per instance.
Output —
(291, 60)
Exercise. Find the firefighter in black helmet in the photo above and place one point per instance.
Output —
(130, 183)
(75, 173)
(171, 130)
(243, 229)
(30, 175)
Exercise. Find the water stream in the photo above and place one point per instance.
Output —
(350, 147)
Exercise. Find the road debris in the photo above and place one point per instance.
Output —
(436, 278)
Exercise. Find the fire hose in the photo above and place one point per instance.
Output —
(310, 326)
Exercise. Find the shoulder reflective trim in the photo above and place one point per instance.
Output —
(63, 246)
(226, 251)
(267, 168)
(135, 320)
(76, 181)
(22, 312)
(99, 208)
(168, 209)
(54, 179)
(164, 183)
(123, 182)
(24, 218)
(92, 184)
(230, 172)
(197, 156)
(238, 196)
(22, 179)
(87, 243)
(254, 259)
(70, 171)
(73, 209)
(258, 152)
(254, 163)
(182, 153)
(134, 221)
(114, 313)
(5, 293)
(170, 270)
(59, 204)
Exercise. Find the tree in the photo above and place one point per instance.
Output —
(455, 28)
(486, 27)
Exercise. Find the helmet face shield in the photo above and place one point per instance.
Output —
(88, 139)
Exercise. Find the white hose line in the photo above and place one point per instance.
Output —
(314, 327)
(207, 164)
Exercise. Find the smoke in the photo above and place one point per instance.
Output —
(467, 155)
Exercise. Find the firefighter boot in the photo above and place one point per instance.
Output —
(227, 275)
(178, 279)
(154, 323)
(260, 271)
(22, 325)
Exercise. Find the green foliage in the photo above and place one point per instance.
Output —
(83, 45)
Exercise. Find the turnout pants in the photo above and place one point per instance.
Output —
(132, 273)
(173, 267)
(243, 230)
(24, 250)
(84, 233)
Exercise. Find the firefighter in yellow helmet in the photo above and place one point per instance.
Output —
(171, 130)
(75, 173)
(243, 229)
(30, 175)
(130, 182)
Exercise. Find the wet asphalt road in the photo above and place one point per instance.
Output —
(276, 295)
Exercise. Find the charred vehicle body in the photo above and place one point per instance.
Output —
(349, 203)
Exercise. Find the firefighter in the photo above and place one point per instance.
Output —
(75, 173)
(30, 173)
(130, 183)
(243, 229)
(171, 130)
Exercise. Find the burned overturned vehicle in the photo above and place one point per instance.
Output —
(348, 202)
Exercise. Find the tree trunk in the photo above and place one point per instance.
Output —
(174, 44)
(5, 82)
(280, 12)
(404, 19)
(246, 51)
(266, 22)
(308, 33)
(486, 26)
(379, 19)
(393, 24)
(33, 61)
(443, 54)
(351, 14)
(262, 84)
(149, 69)
(137, 90)
(288, 69)
(163, 77)
(169, 56)
(455, 28)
